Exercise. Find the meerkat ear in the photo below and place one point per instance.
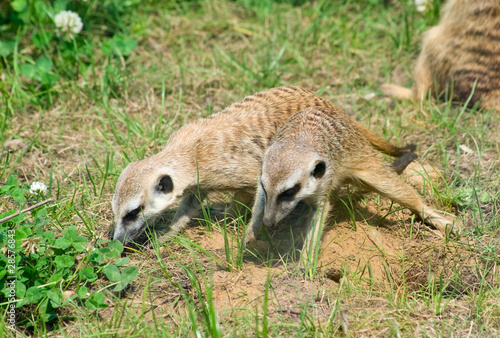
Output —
(319, 170)
(165, 185)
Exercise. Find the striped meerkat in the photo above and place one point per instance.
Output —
(222, 152)
(318, 150)
(463, 50)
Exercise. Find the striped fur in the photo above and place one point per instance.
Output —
(220, 153)
(463, 50)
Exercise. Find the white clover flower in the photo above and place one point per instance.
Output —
(68, 23)
(420, 5)
(96, 235)
(38, 188)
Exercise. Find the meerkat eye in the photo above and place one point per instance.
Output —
(319, 170)
(165, 185)
(289, 194)
(132, 215)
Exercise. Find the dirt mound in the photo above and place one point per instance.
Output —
(451, 267)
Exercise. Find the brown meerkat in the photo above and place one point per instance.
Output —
(312, 155)
(222, 152)
(462, 51)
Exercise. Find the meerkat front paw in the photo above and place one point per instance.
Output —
(250, 236)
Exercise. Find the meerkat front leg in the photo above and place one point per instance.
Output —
(189, 206)
(257, 216)
(380, 178)
(316, 219)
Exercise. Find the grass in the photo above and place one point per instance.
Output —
(194, 58)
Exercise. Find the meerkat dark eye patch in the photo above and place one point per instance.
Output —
(131, 216)
(289, 194)
(165, 185)
(319, 170)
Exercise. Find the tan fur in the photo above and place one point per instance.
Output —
(220, 153)
(312, 155)
(463, 50)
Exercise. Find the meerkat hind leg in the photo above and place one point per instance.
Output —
(399, 92)
(381, 179)
(190, 205)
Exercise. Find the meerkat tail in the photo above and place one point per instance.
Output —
(399, 92)
(382, 145)
(400, 164)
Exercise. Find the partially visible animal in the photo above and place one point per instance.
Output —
(317, 151)
(222, 152)
(461, 55)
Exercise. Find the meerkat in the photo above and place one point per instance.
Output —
(460, 55)
(318, 150)
(222, 152)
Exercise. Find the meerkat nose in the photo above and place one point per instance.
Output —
(269, 220)
(119, 236)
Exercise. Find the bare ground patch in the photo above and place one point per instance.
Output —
(386, 251)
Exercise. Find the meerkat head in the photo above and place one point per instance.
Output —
(143, 192)
(290, 173)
